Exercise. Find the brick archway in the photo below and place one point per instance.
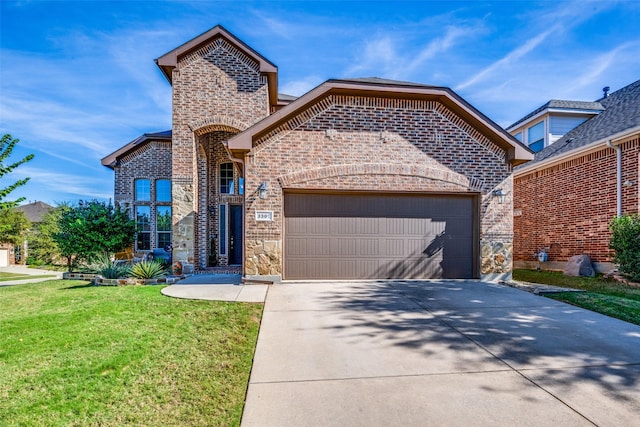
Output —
(296, 178)
(217, 123)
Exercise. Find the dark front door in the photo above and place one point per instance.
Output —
(235, 234)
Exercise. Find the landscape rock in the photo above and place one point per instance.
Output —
(579, 265)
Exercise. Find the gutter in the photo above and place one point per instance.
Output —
(618, 151)
(543, 164)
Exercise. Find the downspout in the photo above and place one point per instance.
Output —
(618, 177)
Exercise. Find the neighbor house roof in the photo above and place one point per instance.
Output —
(559, 105)
(35, 211)
(111, 159)
(620, 116)
(169, 60)
(517, 153)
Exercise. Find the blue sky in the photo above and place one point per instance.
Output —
(78, 80)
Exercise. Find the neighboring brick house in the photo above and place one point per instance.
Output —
(565, 198)
(361, 178)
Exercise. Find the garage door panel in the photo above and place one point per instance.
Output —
(378, 236)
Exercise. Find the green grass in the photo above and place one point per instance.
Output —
(5, 277)
(72, 354)
(601, 295)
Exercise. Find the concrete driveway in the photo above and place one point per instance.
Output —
(441, 353)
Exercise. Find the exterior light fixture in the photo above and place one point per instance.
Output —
(262, 190)
(500, 194)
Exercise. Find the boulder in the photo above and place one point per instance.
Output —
(579, 265)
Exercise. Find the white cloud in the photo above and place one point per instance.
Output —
(47, 181)
(510, 58)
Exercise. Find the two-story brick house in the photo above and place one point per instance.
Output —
(360, 178)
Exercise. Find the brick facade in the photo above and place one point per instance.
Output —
(566, 208)
(152, 160)
(398, 143)
(215, 88)
(376, 144)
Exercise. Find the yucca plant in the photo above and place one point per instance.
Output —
(148, 270)
(104, 265)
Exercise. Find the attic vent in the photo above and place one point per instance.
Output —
(605, 91)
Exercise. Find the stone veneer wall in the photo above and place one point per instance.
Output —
(376, 144)
(214, 86)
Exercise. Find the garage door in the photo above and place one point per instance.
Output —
(364, 236)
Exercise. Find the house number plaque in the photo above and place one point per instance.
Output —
(264, 215)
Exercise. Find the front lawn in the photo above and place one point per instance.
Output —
(72, 354)
(603, 296)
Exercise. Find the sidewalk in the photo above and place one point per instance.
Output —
(21, 269)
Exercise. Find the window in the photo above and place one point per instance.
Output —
(163, 226)
(518, 136)
(226, 178)
(535, 137)
(223, 229)
(143, 190)
(143, 223)
(163, 190)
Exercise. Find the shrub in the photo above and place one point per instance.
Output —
(148, 270)
(625, 241)
(106, 267)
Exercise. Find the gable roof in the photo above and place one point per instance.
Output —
(110, 160)
(621, 115)
(517, 153)
(35, 211)
(559, 105)
(169, 60)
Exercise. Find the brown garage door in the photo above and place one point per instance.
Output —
(363, 236)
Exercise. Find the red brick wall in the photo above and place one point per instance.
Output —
(150, 161)
(375, 144)
(215, 88)
(567, 207)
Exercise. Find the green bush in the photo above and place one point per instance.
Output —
(625, 241)
(148, 270)
(106, 267)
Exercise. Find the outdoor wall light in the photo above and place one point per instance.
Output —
(628, 183)
(500, 194)
(262, 190)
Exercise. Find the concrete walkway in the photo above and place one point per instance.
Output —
(21, 269)
(442, 353)
(216, 287)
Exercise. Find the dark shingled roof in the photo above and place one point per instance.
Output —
(559, 104)
(35, 211)
(621, 112)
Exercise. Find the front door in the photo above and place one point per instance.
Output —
(235, 234)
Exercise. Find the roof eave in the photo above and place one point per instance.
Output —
(111, 160)
(169, 60)
(579, 151)
(516, 152)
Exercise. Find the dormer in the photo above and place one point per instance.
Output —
(550, 122)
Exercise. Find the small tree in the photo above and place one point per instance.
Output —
(625, 241)
(43, 249)
(91, 228)
(8, 143)
(13, 226)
